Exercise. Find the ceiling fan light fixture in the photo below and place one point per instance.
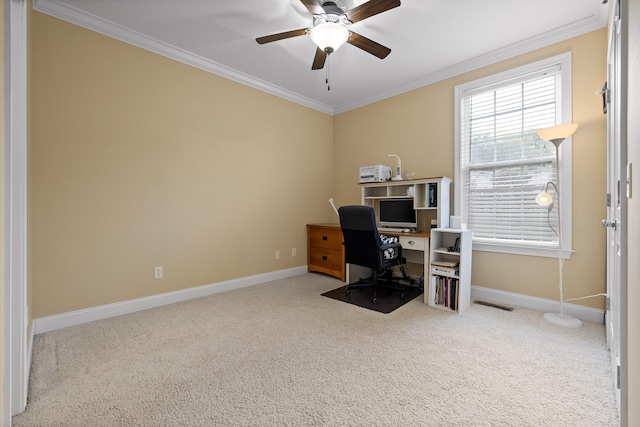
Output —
(329, 36)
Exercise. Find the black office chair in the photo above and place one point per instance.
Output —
(364, 247)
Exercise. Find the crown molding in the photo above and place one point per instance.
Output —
(78, 17)
(94, 23)
(595, 22)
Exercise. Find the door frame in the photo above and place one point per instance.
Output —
(15, 322)
(616, 221)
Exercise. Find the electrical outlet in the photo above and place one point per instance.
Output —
(294, 252)
(277, 254)
(157, 272)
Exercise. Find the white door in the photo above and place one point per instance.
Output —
(614, 104)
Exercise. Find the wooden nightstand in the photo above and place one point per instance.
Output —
(325, 251)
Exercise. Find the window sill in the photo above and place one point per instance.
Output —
(521, 250)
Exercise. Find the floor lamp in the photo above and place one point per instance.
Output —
(555, 135)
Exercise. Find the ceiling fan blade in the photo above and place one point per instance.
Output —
(319, 59)
(369, 46)
(370, 8)
(313, 6)
(280, 36)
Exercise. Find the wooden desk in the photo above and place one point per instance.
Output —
(415, 248)
(325, 251)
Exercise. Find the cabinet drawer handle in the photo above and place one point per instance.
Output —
(324, 257)
(411, 242)
(324, 238)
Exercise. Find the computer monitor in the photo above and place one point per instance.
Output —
(397, 213)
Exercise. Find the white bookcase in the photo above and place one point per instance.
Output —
(427, 194)
(449, 277)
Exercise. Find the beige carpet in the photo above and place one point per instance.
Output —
(280, 354)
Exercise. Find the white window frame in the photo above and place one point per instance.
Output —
(564, 168)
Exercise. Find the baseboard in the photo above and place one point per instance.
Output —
(540, 304)
(73, 318)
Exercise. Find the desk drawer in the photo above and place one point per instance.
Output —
(329, 259)
(414, 243)
(330, 238)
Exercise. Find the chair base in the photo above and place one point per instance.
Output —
(374, 282)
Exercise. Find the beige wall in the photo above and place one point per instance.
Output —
(419, 125)
(139, 161)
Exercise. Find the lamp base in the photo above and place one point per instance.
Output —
(566, 320)
(397, 178)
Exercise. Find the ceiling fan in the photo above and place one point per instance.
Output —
(329, 30)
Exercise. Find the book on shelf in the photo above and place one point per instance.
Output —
(440, 293)
(444, 263)
(433, 195)
(453, 300)
(444, 270)
(446, 292)
(447, 264)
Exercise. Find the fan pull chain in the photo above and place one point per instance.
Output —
(327, 71)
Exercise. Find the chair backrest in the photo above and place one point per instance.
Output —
(361, 237)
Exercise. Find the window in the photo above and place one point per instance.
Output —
(502, 164)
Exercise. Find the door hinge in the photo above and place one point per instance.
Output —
(607, 303)
(618, 376)
(608, 200)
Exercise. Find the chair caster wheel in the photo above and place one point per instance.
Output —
(374, 300)
(347, 292)
(402, 296)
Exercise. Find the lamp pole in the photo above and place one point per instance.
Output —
(555, 135)
(557, 143)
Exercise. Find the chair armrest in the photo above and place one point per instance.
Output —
(390, 246)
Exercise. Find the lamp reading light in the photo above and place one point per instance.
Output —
(329, 36)
(398, 176)
(544, 199)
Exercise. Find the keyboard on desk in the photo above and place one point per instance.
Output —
(392, 229)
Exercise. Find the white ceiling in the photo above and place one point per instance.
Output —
(430, 40)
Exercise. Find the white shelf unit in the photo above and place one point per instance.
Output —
(427, 194)
(443, 284)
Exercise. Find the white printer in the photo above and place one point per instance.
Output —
(377, 173)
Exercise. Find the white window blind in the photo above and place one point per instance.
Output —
(503, 163)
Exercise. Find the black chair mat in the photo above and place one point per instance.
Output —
(387, 300)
